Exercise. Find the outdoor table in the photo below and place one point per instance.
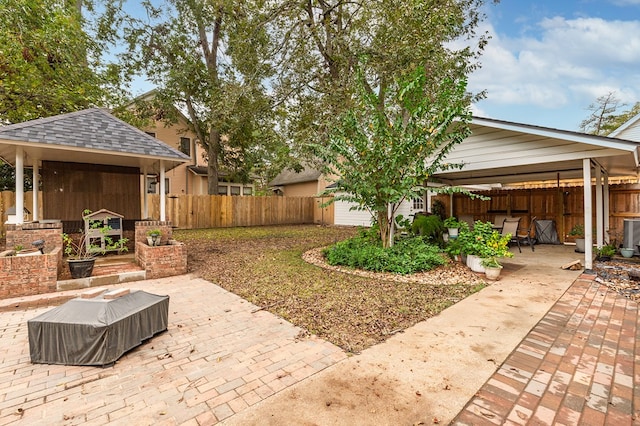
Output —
(96, 331)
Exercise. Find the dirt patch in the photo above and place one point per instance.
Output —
(353, 310)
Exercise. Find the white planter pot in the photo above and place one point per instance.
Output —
(580, 245)
(475, 263)
(492, 273)
(453, 233)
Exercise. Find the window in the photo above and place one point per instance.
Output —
(151, 185)
(247, 190)
(222, 190)
(235, 190)
(185, 146)
(166, 185)
(418, 204)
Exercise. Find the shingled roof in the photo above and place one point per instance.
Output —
(101, 137)
(288, 177)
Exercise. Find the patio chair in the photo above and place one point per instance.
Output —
(498, 221)
(510, 226)
(527, 235)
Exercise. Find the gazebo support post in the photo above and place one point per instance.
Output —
(163, 207)
(35, 179)
(19, 185)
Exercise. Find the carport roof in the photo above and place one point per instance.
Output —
(88, 136)
(505, 152)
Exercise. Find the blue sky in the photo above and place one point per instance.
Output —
(549, 59)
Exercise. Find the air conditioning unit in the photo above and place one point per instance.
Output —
(632, 234)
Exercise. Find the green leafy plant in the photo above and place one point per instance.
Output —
(429, 227)
(490, 262)
(84, 248)
(407, 256)
(451, 222)
(154, 232)
(577, 231)
(485, 242)
(606, 251)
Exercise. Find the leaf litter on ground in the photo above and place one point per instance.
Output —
(352, 309)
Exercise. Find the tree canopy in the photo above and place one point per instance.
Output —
(210, 59)
(605, 116)
(48, 63)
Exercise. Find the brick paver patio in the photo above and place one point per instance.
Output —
(580, 365)
(220, 355)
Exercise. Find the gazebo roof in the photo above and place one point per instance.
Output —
(88, 136)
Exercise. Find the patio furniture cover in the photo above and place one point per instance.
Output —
(546, 232)
(96, 331)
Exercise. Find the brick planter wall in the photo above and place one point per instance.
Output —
(24, 234)
(162, 261)
(29, 275)
(143, 226)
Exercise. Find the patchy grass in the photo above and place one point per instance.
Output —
(264, 265)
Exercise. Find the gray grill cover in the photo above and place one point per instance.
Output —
(96, 331)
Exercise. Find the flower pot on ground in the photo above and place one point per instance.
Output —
(453, 226)
(81, 268)
(605, 253)
(81, 252)
(492, 272)
(492, 268)
(475, 263)
(578, 232)
(626, 252)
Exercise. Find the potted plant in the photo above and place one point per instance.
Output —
(492, 268)
(81, 253)
(578, 232)
(153, 237)
(452, 224)
(605, 252)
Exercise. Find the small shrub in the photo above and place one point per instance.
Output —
(405, 257)
(429, 227)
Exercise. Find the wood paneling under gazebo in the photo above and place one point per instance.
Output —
(70, 188)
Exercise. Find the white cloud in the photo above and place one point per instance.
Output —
(567, 61)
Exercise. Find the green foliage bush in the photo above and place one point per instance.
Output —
(407, 256)
(429, 227)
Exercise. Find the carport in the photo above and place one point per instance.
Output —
(500, 152)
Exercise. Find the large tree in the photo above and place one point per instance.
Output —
(322, 41)
(211, 59)
(605, 116)
(379, 87)
(49, 64)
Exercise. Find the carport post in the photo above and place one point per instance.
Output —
(145, 196)
(605, 207)
(599, 208)
(35, 178)
(588, 211)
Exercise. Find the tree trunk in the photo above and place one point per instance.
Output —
(383, 223)
(213, 154)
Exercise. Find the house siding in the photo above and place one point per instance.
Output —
(632, 133)
(346, 217)
(181, 180)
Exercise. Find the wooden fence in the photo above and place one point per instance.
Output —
(219, 211)
(563, 205)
